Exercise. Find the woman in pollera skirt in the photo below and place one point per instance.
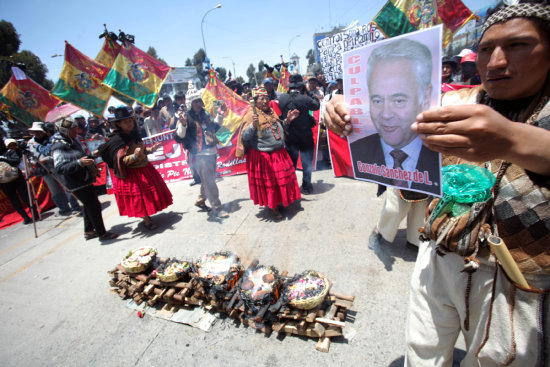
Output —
(139, 189)
(271, 176)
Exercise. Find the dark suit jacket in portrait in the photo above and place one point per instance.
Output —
(368, 150)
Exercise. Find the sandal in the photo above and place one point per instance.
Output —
(107, 236)
(90, 235)
(277, 214)
(150, 226)
(203, 207)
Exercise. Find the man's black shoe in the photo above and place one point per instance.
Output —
(374, 239)
(411, 246)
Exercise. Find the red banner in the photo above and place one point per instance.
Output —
(171, 160)
(9, 216)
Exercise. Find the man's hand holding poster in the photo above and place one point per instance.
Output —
(387, 84)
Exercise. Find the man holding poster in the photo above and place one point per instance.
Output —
(398, 75)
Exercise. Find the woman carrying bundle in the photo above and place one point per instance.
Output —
(139, 189)
(271, 175)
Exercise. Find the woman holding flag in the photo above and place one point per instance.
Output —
(139, 189)
(271, 175)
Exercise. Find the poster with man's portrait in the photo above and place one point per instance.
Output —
(386, 85)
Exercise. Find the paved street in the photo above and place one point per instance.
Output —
(57, 310)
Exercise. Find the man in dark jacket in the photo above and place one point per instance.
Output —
(12, 156)
(299, 138)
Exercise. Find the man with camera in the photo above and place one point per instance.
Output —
(299, 139)
(40, 151)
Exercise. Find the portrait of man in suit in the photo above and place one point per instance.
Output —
(399, 75)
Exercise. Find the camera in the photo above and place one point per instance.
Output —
(22, 144)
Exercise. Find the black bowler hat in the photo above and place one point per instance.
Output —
(122, 113)
(295, 81)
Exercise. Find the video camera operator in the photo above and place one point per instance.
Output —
(16, 186)
(299, 138)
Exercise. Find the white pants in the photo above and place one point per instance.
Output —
(437, 310)
(394, 211)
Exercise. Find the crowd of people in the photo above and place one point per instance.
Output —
(500, 122)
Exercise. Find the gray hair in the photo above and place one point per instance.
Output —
(414, 51)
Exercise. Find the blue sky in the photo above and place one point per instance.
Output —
(242, 32)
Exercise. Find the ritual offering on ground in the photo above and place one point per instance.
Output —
(219, 269)
(307, 290)
(139, 260)
(259, 286)
(172, 270)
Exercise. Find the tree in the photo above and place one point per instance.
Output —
(261, 65)
(151, 51)
(32, 65)
(188, 62)
(222, 73)
(198, 61)
(9, 39)
(251, 74)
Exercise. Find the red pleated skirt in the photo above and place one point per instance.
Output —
(271, 178)
(142, 193)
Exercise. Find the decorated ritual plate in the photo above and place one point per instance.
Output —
(306, 290)
(138, 260)
(172, 270)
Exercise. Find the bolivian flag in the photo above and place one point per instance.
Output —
(106, 56)
(403, 16)
(108, 53)
(137, 75)
(237, 107)
(27, 100)
(283, 80)
(80, 82)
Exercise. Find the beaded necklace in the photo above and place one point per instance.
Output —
(270, 124)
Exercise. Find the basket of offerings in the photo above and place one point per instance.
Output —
(221, 270)
(138, 260)
(307, 290)
(259, 286)
(172, 270)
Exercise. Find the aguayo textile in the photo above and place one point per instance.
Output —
(404, 16)
(137, 75)
(80, 82)
(27, 100)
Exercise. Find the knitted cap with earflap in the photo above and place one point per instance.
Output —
(64, 125)
(191, 95)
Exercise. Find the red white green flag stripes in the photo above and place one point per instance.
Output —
(26, 100)
(403, 16)
(80, 82)
(137, 75)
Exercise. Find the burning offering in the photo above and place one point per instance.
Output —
(172, 270)
(138, 260)
(219, 268)
(259, 286)
(307, 290)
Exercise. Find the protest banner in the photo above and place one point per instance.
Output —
(171, 160)
(182, 75)
(330, 47)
